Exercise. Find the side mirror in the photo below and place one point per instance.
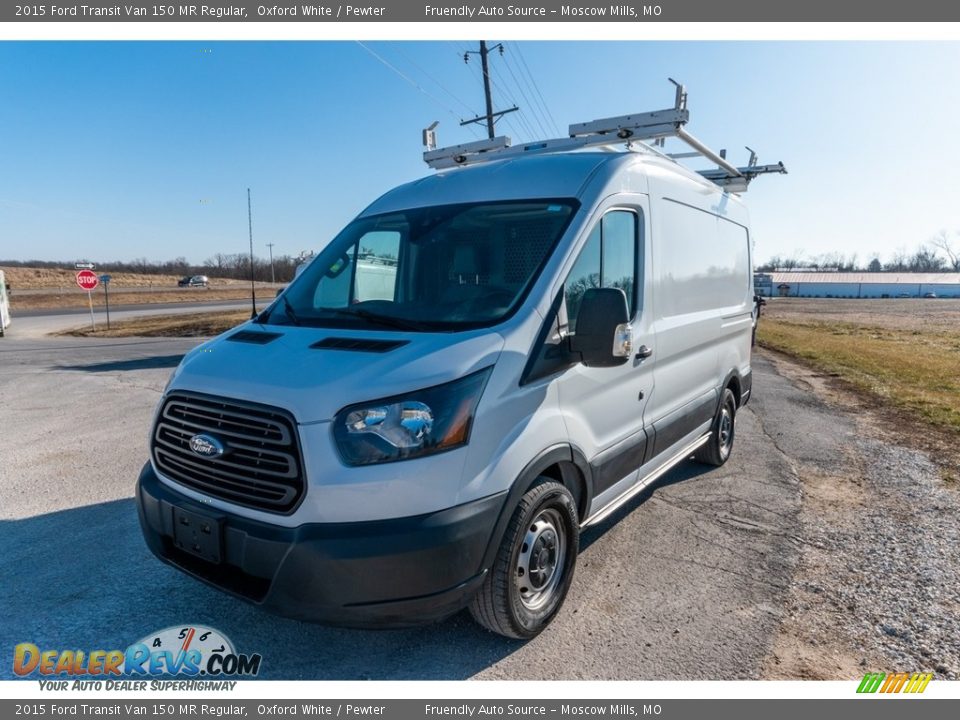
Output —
(604, 337)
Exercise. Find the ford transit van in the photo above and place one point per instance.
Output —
(483, 363)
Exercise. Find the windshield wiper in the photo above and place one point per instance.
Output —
(288, 309)
(385, 320)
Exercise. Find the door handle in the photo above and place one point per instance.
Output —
(643, 352)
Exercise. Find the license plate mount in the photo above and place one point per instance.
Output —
(198, 534)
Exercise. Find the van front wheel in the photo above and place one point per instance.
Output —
(718, 447)
(534, 566)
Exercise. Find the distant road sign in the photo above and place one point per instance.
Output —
(83, 266)
(105, 278)
(87, 279)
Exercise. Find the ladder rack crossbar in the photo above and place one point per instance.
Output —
(632, 130)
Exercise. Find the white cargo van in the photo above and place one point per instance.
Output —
(481, 364)
(4, 305)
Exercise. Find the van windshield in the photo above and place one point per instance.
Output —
(448, 267)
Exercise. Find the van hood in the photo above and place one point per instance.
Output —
(284, 367)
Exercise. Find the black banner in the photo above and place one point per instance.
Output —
(544, 11)
(199, 708)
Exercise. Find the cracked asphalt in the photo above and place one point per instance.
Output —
(696, 578)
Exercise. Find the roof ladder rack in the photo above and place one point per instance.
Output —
(632, 130)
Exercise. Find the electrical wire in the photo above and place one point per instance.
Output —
(503, 87)
(536, 87)
(516, 120)
(414, 83)
(532, 107)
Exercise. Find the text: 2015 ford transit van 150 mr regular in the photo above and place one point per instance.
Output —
(481, 364)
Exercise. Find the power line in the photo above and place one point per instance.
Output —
(536, 87)
(411, 81)
(437, 82)
(533, 108)
(491, 115)
(520, 117)
(503, 86)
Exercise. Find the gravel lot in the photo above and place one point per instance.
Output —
(820, 550)
(877, 585)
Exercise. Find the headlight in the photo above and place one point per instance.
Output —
(411, 425)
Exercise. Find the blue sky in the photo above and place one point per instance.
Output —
(122, 150)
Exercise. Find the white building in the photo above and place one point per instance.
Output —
(857, 284)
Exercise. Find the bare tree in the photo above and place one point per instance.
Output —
(899, 262)
(942, 241)
(925, 260)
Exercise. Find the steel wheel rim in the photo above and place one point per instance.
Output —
(538, 571)
(726, 430)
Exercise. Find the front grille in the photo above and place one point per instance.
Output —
(260, 466)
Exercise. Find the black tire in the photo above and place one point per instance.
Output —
(718, 447)
(534, 566)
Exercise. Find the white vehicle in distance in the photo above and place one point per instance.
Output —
(4, 304)
(480, 365)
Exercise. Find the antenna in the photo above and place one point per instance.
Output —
(253, 291)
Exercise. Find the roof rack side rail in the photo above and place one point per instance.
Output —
(632, 130)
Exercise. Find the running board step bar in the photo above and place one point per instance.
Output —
(629, 494)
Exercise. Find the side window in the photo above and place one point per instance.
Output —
(609, 259)
(584, 275)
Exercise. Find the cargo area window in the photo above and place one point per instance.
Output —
(609, 259)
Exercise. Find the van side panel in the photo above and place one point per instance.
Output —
(702, 311)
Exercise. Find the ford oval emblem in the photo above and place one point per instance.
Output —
(206, 446)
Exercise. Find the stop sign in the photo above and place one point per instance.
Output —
(87, 279)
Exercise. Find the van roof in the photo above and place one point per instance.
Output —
(550, 175)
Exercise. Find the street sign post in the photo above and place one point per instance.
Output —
(88, 280)
(105, 279)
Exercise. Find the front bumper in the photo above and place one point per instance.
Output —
(383, 573)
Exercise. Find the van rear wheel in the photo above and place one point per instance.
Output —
(718, 447)
(531, 574)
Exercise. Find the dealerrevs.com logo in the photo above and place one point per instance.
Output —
(191, 651)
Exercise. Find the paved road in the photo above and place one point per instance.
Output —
(36, 324)
(140, 308)
(690, 583)
(71, 289)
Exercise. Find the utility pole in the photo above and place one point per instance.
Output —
(491, 116)
(272, 279)
(253, 291)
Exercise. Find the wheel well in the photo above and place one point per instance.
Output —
(734, 386)
(569, 475)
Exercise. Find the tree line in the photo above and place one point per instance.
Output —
(220, 265)
(940, 254)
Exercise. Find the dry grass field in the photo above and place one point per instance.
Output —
(78, 298)
(21, 278)
(49, 288)
(905, 353)
(186, 325)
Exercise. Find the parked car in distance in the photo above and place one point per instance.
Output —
(194, 281)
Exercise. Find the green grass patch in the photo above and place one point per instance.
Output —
(913, 370)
